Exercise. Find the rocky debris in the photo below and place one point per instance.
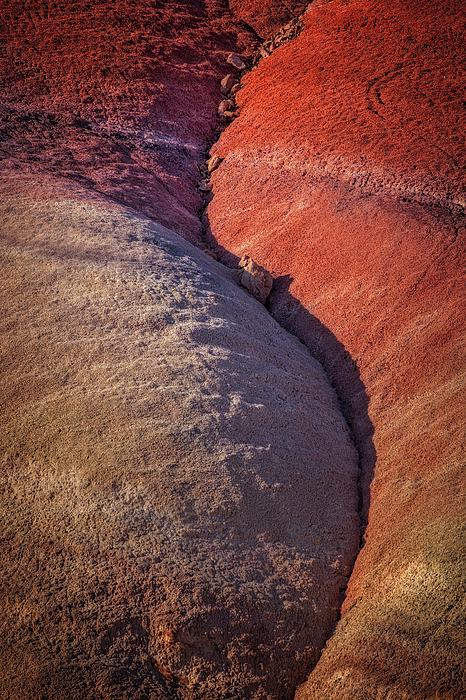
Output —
(255, 278)
(266, 17)
(226, 112)
(225, 106)
(213, 163)
(288, 32)
(236, 62)
(263, 52)
(227, 83)
(204, 186)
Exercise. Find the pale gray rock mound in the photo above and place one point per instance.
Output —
(255, 278)
(178, 487)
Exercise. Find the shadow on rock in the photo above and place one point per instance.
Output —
(341, 369)
(343, 374)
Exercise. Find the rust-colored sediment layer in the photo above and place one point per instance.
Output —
(178, 486)
(119, 97)
(345, 176)
(266, 16)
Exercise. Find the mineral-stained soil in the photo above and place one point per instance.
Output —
(118, 96)
(185, 486)
(266, 16)
(345, 176)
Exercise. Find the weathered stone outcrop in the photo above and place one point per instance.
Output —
(345, 176)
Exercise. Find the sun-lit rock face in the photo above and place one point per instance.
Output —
(179, 487)
(345, 177)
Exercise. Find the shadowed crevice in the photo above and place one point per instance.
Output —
(340, 368)
(343, 374)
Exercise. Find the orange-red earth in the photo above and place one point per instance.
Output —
(194, 504)
(345, 176)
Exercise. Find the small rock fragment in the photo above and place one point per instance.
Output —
(204, 186)
(263, 51)
(236, 88)
(211, 253)
(228, 81)
(224, 106)
(213, 163)
(236, 62)
(255, 278)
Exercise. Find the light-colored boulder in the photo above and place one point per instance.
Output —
(255, 278)
(236, 62)
(213, 163)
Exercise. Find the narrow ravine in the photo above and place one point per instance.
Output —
(341, 370)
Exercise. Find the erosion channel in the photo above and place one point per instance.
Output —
(190, 503)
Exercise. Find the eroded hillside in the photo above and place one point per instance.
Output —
(184, 483)
(344, 175)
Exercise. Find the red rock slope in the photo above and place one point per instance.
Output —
(118, 96)
(267, 16)
(345, 175)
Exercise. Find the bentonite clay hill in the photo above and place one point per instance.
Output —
(184, 484)
(179, 482)
(345, 176)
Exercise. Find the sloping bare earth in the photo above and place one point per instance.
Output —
(345, 176)
(179, 488)
(183, 483)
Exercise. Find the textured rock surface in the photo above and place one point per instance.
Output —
(179, 499)
(266, 16)
(178, 487)
(117, 96)
(349, 185)
(255, 278)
